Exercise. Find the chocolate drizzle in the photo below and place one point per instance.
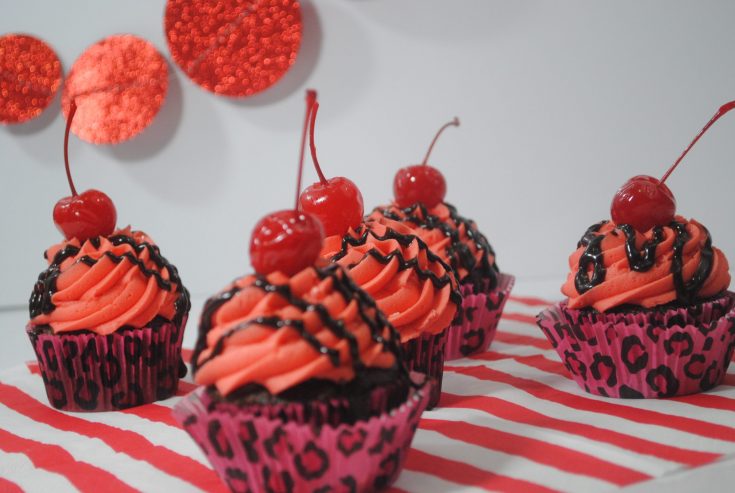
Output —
(686, 292)
(342, 283)
(644, 259)
(591, 259)
(41, 302)
(479, 274)
(364, 231)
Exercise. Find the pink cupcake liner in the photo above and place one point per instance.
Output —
(83, 371)
(645, 353)
(259, 452)
(425, 354)
(480, 316)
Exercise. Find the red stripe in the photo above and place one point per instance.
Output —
(53, 458)
(186, 387)
(7, 486)
(154, 413)
(186, 355)
(538, 361)
(124, 441)
(530, 301)
(519, 414)
(536, 450)
(458, 472)
(548, 393)
(522, 340)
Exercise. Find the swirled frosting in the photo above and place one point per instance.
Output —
(411, 284)
(280, 331)
(107, 283)
(616, 265)
(454, 238)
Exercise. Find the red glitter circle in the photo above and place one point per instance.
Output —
(119, 85)
(234, 47)
(30, 75)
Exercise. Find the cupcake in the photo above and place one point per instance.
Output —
(302, 384)
(107, 322)
(648, 312)
(411, 284)
(419, 209)
(108, 314)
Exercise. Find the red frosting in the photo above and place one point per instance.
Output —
(455, 239)
(251, 332)
(100, 289)
(653, 287)
(411, 284)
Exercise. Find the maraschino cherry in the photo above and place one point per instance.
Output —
(643, 201)
(337, 202)
(290, 240)
(421, 183)
(86, 215)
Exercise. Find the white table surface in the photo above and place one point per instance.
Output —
(716, 477)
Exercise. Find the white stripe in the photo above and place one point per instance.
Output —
(19, 469)
(470, 386)
(157, 433)
(517, 350)
(419, 482)
(137, 473)
(603, 451)
(512, 466)
(520, 328)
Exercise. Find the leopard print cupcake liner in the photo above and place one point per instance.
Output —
(425, 354)
(84, 371)
(480, 316)
(643, 353)
(260, 452)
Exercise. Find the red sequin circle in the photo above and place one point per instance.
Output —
(119, 85)
(30, 75)
(234, 47)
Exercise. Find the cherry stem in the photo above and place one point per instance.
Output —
(453, 123)
(723, 109)
(72, 111)
(314, 109)
(310, 101)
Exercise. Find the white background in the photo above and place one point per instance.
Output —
(560, 103)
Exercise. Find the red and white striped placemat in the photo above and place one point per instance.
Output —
(509, 420)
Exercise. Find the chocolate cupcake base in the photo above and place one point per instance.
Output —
(83, 371)
(255, 448)
(659, 352)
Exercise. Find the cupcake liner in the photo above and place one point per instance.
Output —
(479, 321)
(425, 354)
(84, 371)
(257, 452)
(644, 353)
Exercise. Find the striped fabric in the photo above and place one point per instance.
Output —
(510, 420)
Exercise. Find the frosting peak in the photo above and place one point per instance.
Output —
(106, 283)
(412, 285)
(454, 238)
(280, 331)
(616, 265)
